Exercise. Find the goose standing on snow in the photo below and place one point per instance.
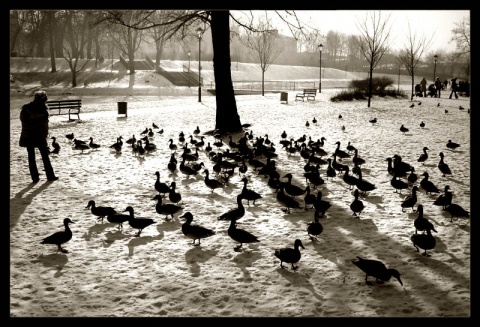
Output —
(291, 189)
(457, 211)
(444, 199)
(410, 200)
(211, 183)
(290, 255)
(240, 235)
(398, 184)
(161, 187)
(235, 213)
(194, 232)
(363, 185)
(138, 223)
(248, 194)
(424, 156)
(167, 209)
(314, 228)
(452, 145)
(55, 145)
(421, 223)
(376, 269)
(61, 237)
(424, 242)
(428, 185)
(443, 167)
(99, 211)
(403, 129)
(340, 153)
(357, 205)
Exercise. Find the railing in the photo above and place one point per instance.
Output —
(281, 85)
(150, 62)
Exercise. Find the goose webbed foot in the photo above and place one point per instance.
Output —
(425, 254)
(62, 249)
(294, 268)
(313, 238)
(238, 248)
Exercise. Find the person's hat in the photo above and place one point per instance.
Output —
(40, 95)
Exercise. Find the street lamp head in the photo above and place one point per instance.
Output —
(199, 32)
(436, 57)
(320, 47)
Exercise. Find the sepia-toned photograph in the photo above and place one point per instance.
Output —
(240, 163)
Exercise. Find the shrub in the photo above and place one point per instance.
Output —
(358, 90)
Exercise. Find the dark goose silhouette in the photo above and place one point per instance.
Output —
(194, 232)
(248, 194)
(428, 185)
(443, 167)
(99, 211)
(424, 156)
(240, 235)
(314, 228)
(236, 213)
(290, 255)
(410, 200)
(167, 209)
(138, 223)
(376, 269)
(457, 211)
(421, 223)
(424, 242)
(357, 205)
(444, 199)
(61, 237)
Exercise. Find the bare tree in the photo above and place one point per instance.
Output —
(76, 25)
(264, 46)
(373, 42)
(411, 54)
(461, 37)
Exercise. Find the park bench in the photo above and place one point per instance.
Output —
(65, 107)
(307, 93)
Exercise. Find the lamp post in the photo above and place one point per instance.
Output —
(199, 34)
(434, 67)
(320, 47)
(188, 68)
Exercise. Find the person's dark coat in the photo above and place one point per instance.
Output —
(34, 118)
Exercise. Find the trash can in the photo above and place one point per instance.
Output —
(284, 97)
(122, 108)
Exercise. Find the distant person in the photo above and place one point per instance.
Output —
(438, 86)
(423, 84)
(453, 87)
(34, 118)
(445, 84)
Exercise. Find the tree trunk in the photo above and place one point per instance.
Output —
(227, 118)
(51, 20)
(370, 85)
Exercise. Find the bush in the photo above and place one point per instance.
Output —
(358, 90)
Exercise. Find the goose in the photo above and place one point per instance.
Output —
(172, 146)
(131, 140)
(208, 148)
(138, 223)
(331, 172)
(376, 269)
(340, 116)
(99, 211)
(77, 142)
(314, 228)
(172, 163)
(424, 156)
(173, 196)
(70, 136)
(338, 166)
(211, 183)
(161, 187)
(403, 129)
(318, 150)
(422, 124)
(307, 124)
(320, 205)
(363, 185)
(248, 194)
(350, 180)
(340, 153)
(444, 199)
(194, 232)
(401, 166)
(452, 145)
(309, 199)
(81, 147)
(255, 163)
(290, 255)
(181, 138)
(196, 131)
(313, 177)
(457, 211)
(421, 223)
(55, 145)
(443, 167)
(167, 209)
(145, 131)
(61, 237)
(314, 120)
(343, 128)
(398, 184)
(412, 177)
(392, 169)
(273, 181)
(236, 213)
(187, 170)
(200, 143)
(240, 235)
(317, 160)
(412, 105)
(291, 189)
(117, 146)
(150, 133)
(357, 205)
(154, 125)
(373, 121)
(139, 149)
(424, 242)
(410, 200)
(356, 159)
(428, 185)
(350, 147)
(302, 138)
(286, 200)
(283, 135)
(117, 218)
(242, 169)
(149, 146)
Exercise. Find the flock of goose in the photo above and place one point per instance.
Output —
(257, 154)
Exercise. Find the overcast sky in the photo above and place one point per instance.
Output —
(434, 24)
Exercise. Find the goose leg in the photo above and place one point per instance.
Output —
(294, 268)
(62, 249)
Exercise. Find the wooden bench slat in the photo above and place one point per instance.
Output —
(73, 107)
(307, 93)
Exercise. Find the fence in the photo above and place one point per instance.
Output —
(282, 85)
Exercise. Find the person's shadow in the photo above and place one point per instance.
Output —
(19, 203)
